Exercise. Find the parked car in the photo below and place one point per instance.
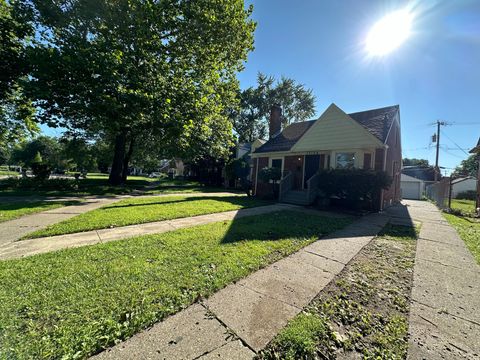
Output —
(155, 175)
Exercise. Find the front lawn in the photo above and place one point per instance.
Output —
(363, 313)
(10, 211)
(75, 302)
(469, 231)
(465, 206)
(143, 210)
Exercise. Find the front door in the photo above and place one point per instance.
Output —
(312, 165)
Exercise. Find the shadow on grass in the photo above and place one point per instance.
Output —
(282, 225)
(316, 224)
(34, 204)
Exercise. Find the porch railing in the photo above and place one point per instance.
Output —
(286, 184)
(312, 187)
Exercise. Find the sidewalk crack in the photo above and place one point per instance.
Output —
(446, 312)
(210, 312)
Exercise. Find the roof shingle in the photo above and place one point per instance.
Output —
(376, 121)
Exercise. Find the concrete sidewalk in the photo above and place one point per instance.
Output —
(242, 318)
(14, 230)
(445, 313)
(30, 247)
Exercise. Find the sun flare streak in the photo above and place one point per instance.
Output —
(389, 33)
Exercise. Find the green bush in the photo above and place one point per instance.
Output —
(467, 195)
(272, 174)
(356, 188)
(41, 171)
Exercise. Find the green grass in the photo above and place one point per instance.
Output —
(364, 313)
(143, 210)
(465, 206)
(72, 303)
(8, 173)
(10, 211)
(469, 231)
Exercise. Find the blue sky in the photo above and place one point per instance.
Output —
(434, 75)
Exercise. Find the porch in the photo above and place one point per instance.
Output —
(299, 183)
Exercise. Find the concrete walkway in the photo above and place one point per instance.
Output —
(445, 312)
(242, 318)
(13, 230)
(30, 247)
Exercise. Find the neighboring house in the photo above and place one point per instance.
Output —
(412, 188)
(463, 184)
(425, 173)
(368, 140)
(245, 150)
(415, 179)
(476, 150)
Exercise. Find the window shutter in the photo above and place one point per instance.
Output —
(322, 161)
(367, 161)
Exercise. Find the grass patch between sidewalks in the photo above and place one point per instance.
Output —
(75, 302)
(143, 210)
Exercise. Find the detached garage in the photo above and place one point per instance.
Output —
(412, 188)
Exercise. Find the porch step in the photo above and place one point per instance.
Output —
(296, 197)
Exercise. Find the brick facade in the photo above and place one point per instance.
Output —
(294, 164)
(394, 166)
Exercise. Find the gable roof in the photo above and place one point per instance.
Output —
(476, 149)
(376, 121)
(287, 138)
(425, 173)
(459, 180)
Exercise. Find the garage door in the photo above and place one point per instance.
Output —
(410, 190)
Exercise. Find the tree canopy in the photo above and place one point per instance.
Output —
(415, 162)
(250, 120)
(129, 67)
(16, 120)
(468, 167)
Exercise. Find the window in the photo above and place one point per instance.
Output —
(277, 163)
(345, 160)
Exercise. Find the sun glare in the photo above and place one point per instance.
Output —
(389, 33)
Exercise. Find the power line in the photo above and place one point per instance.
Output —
(454, 155)
(464, 123)
(458, 146)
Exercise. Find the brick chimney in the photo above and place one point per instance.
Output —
(275, 123)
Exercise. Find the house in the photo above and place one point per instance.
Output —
(415, 179)
(245, 150)
(412, 187)
(476, 150)
(425, 173)
(463, 184)
(368, 140)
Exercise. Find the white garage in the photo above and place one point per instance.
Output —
(412, 188)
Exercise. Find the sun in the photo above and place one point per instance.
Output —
(389, 33)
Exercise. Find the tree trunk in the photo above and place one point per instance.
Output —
(116, 173)
(127, 158)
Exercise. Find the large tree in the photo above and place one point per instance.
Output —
(15, 111)
(250, 120)
(129, 67)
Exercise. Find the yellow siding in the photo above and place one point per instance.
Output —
(335, 130)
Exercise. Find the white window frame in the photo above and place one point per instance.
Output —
(355, 158)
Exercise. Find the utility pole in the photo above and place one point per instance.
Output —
(437, 169)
